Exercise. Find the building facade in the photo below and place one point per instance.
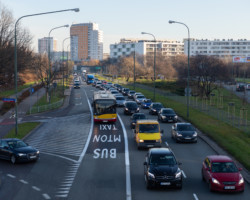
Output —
(146, 47)
(86, 42)
(220, 48)
(43, 44)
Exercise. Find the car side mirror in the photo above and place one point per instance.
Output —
(145, 163)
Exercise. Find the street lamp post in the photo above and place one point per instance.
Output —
(154, 57)
(15, 52)
(171, 22)
(63, 61)
(49, 58)
(67, 61)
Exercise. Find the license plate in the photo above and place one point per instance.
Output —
(165, 183)
(188, 138)
(150, 145)
(170, 120)
(105, 121)
(32, 157)
(229, 187)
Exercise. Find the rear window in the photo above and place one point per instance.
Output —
(140, 96)
(162, 159)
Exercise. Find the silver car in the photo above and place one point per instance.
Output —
(120, 100)
(140, 98)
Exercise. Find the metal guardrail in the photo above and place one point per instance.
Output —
(38, 109)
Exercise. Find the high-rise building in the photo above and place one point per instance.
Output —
(86, 42)
(43, 44)
(146, 47)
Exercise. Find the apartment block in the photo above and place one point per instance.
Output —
(43, 44)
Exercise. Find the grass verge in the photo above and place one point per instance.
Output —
(23, 130)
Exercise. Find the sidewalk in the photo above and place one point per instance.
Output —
(7, 121)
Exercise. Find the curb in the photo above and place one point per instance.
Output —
(32, 131)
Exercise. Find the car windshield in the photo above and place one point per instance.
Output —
(120, 98)
(224, 167)
(16, 144)
(185, 127)
(168, 112)
(140, 97)
(157, 106)
(148, 101)
(131, 92)
(161, 159)
(139, 116)
(148, 128)
(131, 105)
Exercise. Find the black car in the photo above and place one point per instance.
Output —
(155, 108)
(167, 115)
(76, 85)
(131, 107)
(135, 117)
(162, 169)
(184, 132)
(240, 87)
(16, 150)
(130, 94)
(125, 91)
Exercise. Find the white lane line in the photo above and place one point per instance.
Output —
(51, 154)
(36, 188)
(195, 196)
(46, 196)
(11, 176)
(90, 131)
(166, 144)
(184, 175)
(23, 181)
(127, 164)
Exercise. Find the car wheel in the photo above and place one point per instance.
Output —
(13, 159)
(148, 184)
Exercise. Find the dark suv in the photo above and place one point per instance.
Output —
(155, 107)
(240, 87)
(131, 107)
(162, 169)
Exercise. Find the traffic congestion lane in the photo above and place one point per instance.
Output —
(191, 155)
(102, 170)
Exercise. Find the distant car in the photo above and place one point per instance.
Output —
(222, 174)
(184, 132)
(162, 169)
(146, 103)
(167, 115)
(248, 87)
(125, 91)
(135, 94)
(114, 92)
(155, 108)
(131, 107)
(16, 150)
(76, 85)
(240, 87)
(130, 94)
(140, 98)
(120, 100)
(135, 117)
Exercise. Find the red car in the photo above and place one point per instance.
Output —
(222, 174)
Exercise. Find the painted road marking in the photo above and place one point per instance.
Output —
(23, 181)
(104, 153)
(166, 144)
(184, 175)
(46, 196)
(36, 188)
(107, 127)
(195, 196)
(127, 164)
(11, 176)
(106, 138)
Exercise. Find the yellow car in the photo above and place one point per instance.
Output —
(147, 133)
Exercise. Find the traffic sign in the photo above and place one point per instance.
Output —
(8, 100)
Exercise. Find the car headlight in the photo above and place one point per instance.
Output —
(126, 109)
(22, 154)
(176, 117)
(215, 181)
(37, 152)
(141, 140)
(178, 134)
(151, 175)
(241, 181)
(195, 134)
(178, 174)
(163, 117)
(133, 123)
(138, 109)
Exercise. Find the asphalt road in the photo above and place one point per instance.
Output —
(81, 161)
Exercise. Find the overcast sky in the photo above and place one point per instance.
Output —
(212, 19)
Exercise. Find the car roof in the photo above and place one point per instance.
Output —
(183, 123)
(166, 109)
(156, 103)
(10, 139)
(127, 102)
(147, 121)
(160, 151)
(219, 158)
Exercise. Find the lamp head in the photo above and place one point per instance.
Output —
(76, 9)
(171, 21)
(143, 33)
(66, 25)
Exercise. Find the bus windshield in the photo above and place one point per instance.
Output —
(105, 107)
